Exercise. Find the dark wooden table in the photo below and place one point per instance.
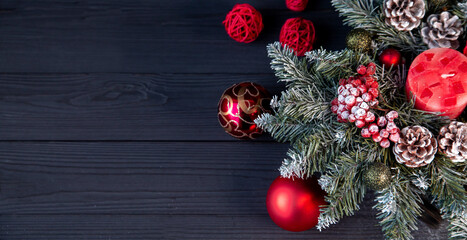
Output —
(108, 126)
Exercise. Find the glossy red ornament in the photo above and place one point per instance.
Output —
(294, 204)
(239, 106)
(437, 79)
(389, 57)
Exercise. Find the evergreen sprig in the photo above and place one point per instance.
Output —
(364, 14)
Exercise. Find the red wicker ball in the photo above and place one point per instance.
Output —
(243, 23)
(296, 5)
(298, 34)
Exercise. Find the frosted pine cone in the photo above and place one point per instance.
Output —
(453, 141)
(404, 15)
(442, 31)
(416, 147)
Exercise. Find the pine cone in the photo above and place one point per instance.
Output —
(404, 15)
(442, 31)
(453, 141)
(416, 147)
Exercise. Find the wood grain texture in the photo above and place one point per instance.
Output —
(126, 36)
(83, 190)
(117, 106)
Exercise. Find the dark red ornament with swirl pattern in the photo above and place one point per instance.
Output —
(239, 106)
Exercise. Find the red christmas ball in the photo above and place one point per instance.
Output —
(390, 57)
(243, 23)
(437, 78)
(296, 5)
(298, 34)
(465, 49)
(294, 204)
(239, 106)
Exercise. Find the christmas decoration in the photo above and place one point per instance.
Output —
(390, 57)
(239, 106)
(436, 80)
(404, 15)
(298, 34)
(442, 31)
(243, 23)
(465, 49)
(359, 40)
(293, 204)
(416, 147)
(453, 141)
(296, 5)
(377, 177)
(305, 115)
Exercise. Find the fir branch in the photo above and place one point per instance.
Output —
(344, 185)
(448, 187)
(363, 14)
(337, 64)
(458, 227)
(398, 209)
(282, 128)
(305, 104)
(288, 67)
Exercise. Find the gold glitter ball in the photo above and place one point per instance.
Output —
(377, 177)
(359, 40)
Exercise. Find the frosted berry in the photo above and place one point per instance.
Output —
(384, 133)
(334, 101)
(385, 143)
(364, 105)
(392, 115)
(359, 100)
(362, 88)
(366, 133)
(350, 100)
(374, 103)
(394, 137)
(367, 97)
(392, 127)
(352, 118)
(345, 115)
(361, 70)
(354, 92)
(360, 123)
(373, 128)
(382, 121)
(376, 137)
(334, 108)
(354, 109)
(360, 114)
(341, 98)
(373, 92)
(370, 117)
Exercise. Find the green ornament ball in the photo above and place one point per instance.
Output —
(359, 40)
(377, 177)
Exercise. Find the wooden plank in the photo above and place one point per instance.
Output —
(116, 106)
(120, 190)
(143, 36)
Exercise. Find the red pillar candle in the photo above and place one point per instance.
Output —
(438, 80)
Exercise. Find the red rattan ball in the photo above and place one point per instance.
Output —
(298, 34)
(243, 23)
(296, 5)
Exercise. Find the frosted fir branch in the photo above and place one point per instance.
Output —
(363, 14)
(458, 227)
(283, 129)
(421, 180)
(324, 221)
(295, 165)
(287, 66)
(398, 209)
(325, 182)
(274, 103)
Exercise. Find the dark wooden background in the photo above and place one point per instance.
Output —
(108, 126)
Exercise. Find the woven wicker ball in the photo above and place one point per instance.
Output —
(298, 34)
(296, 5)
(243, 23)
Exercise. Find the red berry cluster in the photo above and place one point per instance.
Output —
(356, 95)
(389, 130)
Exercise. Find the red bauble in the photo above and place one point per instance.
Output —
(437, 79)
(465, 49)
(243, 23)
(294, 204)
(296, 5)
(298, 34)
(239, 106)
(389, 57)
